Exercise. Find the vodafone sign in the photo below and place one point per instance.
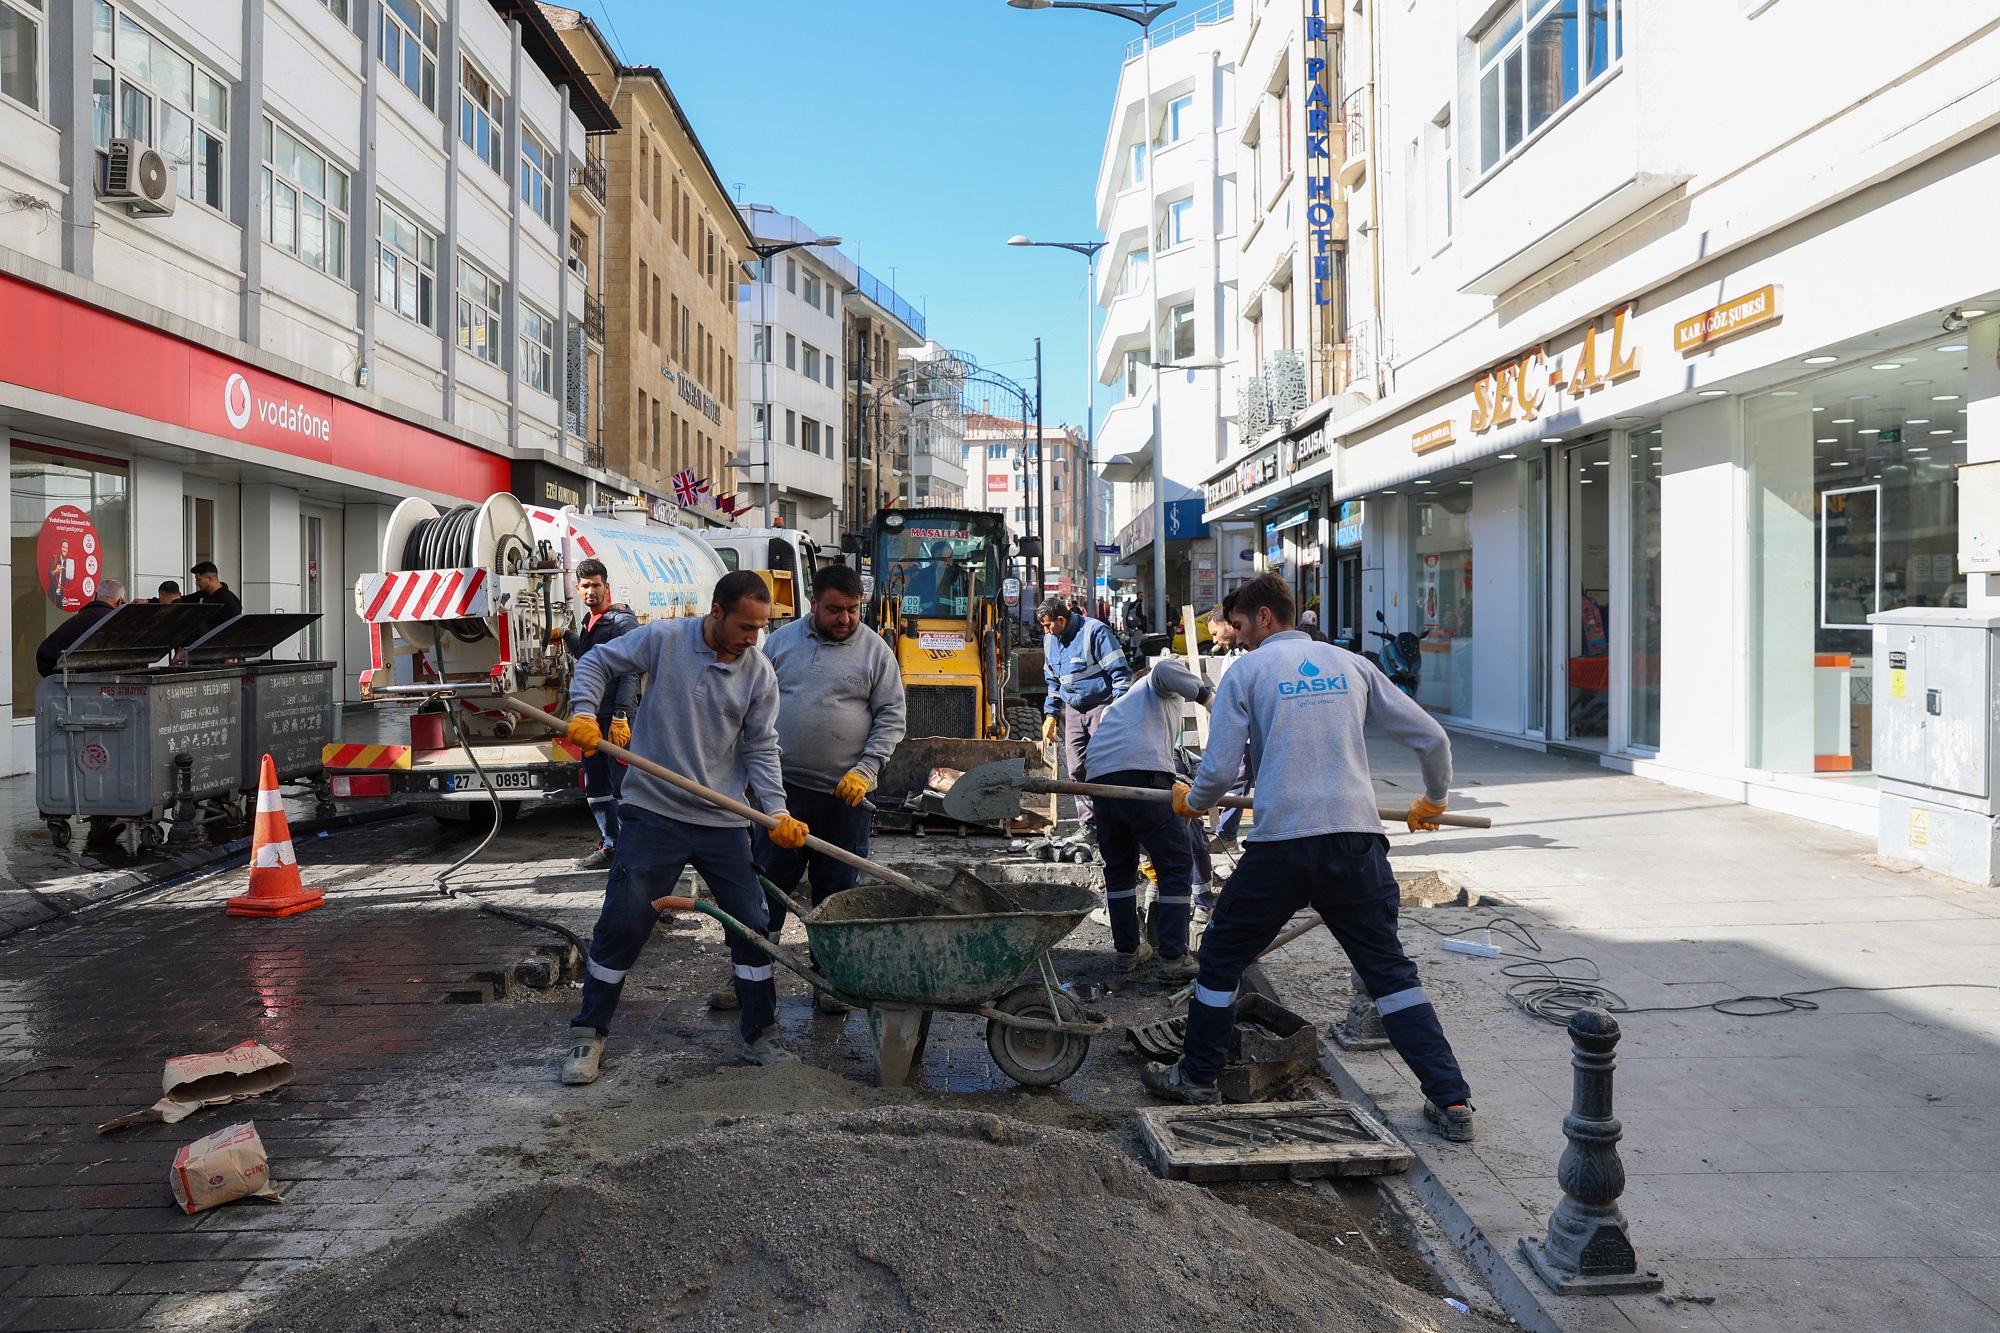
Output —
(243, 403)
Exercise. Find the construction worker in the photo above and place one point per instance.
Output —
(1134, 747)
(1229, 820)
(712, 717)
(1085, 670)
(840, 713)
(1297, 706)
(603, 776)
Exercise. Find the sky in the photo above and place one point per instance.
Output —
(923, 132)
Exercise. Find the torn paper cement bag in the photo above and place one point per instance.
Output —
(228, 1164)
(191, 1082)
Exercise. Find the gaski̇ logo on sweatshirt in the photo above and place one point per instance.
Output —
(1312, 681)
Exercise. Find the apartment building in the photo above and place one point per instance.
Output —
(792, 396)
(1167, 205)
(880, 327)
(1000, 455)
(674, 242)
(285, 264)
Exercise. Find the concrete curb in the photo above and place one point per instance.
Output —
(170, 870)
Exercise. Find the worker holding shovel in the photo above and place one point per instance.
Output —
(712, 715)
(1296, 706)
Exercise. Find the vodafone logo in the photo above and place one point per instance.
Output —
(236, 401)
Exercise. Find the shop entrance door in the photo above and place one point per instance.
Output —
(1584, 609)
(1345, 627)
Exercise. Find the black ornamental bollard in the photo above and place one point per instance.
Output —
(1588, 1250)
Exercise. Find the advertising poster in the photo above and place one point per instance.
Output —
(67, 558)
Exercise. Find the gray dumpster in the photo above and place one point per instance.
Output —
(109, 723)
(287, 705)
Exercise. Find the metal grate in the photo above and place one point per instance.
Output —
(1269, 1140)
(943, 710)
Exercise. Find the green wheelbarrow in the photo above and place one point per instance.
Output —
(903, 957)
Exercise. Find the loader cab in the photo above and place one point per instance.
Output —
(936, 599)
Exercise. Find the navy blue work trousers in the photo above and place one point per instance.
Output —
(828, 817)
(603, 781)
(1229, 819)
(1123, 827)
(1345, 877)
(652, 852)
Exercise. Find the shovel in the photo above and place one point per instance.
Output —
(992, 792)
(713, 797)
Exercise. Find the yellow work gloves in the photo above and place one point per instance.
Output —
(583, 732)
(790, 833)
(620, 733)
(1423, 815)
(1048, 731)
(853, 788)
(1181, 806)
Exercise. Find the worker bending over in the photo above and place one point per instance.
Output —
(840, 714)
(1296, 706)
(1134, 747)
(1085, 670)
(711, 716)
(603, 776)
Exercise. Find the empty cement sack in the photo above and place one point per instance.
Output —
(190, 1082)
(228, 1164)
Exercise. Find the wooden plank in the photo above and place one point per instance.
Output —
(1270, 1140)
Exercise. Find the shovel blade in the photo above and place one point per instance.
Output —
(988, 794)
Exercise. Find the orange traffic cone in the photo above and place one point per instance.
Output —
(275, 889)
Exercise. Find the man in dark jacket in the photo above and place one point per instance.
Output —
(110, 596)
(603, 776)
(210, 590)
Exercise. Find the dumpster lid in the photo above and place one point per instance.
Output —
(138, 634)
(247, 636)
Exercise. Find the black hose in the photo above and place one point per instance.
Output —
(445, 542)
(582, 950)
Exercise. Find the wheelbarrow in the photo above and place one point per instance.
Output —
(904, 950)
(902, 958)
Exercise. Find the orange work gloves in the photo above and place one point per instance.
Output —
(620, 733)
(583, 733)
(1181, 806)
(853, 788)
(790, 833)
(1423, 815)
(1048, 731)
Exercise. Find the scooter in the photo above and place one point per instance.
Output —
(1401, 660)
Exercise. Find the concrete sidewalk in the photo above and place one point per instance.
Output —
(1831, 1170)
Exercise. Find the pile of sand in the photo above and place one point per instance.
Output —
(886, 1219)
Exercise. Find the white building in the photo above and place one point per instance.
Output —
(1000, 458)
(348, 287)
(1688, 319)
(1167, 280)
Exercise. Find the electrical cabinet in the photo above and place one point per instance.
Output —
(1936, 732)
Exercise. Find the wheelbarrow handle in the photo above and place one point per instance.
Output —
(782, 957)
(735, 807)
(1049, 786)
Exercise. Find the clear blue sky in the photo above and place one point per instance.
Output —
(924, 132)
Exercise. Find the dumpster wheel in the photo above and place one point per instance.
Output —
(59, 833)
(1037, 1059)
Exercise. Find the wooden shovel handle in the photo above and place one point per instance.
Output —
(713, 797)
(1389, 813)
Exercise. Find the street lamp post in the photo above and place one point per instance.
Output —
(764, 252)
(1088, 481)
(1143, 14)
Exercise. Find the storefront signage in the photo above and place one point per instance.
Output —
(537, 483)
(1258, 470)
(1745, 314)
(1347, 525)
(1298, 518)
(1184, 523)
(1222, 488)
(692, 392)
(1434, 436)
(1325, 216)
(1519, 390)
(996, 481)
(1313, 447)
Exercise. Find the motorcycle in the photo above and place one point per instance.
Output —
(1401, 659)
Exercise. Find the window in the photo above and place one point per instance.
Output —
(538, 350)
(482, 114)
(656, 435)
(1178, 334)
(1134, 278)
(1180, 118)
(809, 435)
(305, 202)
(830, 371)
(1135, 370)
(791, 352)
(1180, 222)
(791, 427)
(406, 40)
(686, 316)
(406, 265)
(21, 51)
(162, 100)
(759, 428)
(811, 293)
(812, 362)
(478, 312)
(538, 173)
(338, 8)
(792, 276)
(757, 344)
(56, 575)
(645, 153)
(1438, 180)
(1536, 57)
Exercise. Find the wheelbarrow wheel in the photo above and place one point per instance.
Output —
(1038, 1059)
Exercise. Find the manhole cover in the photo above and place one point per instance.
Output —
(1270, 1141)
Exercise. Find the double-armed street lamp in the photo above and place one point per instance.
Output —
(764, 251)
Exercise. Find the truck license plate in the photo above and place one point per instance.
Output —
(501, 781)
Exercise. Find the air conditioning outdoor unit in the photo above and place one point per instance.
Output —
(139, 177)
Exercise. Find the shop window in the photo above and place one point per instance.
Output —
(69, 535)
(1441, 597)
(305, 199)
(1644, 454)
(406, 40)
(1854, 510)
(1536, 57)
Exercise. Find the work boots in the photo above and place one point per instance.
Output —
(1453, 1123)
(1128, 963)
(1170, 1082)
(724, 998)
(1175, 971)
(766, 1048)
(586, 1056)
(597, 860)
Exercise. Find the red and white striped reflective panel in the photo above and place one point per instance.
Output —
(422, 594)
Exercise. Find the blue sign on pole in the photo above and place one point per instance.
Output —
(1103, 549)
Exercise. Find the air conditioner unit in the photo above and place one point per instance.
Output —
(139, 177)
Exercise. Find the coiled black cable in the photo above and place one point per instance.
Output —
(445, 542)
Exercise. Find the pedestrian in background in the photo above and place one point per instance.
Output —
(110, 596)
(210, 590)
(1085, 669)
(603, 776)
(170, 592)
(711, 716)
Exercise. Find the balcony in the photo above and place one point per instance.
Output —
(593, 319)
(1220, 12)
(882, 294)
(591, 175)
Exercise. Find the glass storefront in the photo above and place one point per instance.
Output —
(1587, 500)
(1441, 595)
(68, 535)
(1643, 457)
(1853, 510)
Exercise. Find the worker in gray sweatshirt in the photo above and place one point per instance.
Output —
(1296, 707)
(840, 714)
(1133, 746)
(711, 715)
